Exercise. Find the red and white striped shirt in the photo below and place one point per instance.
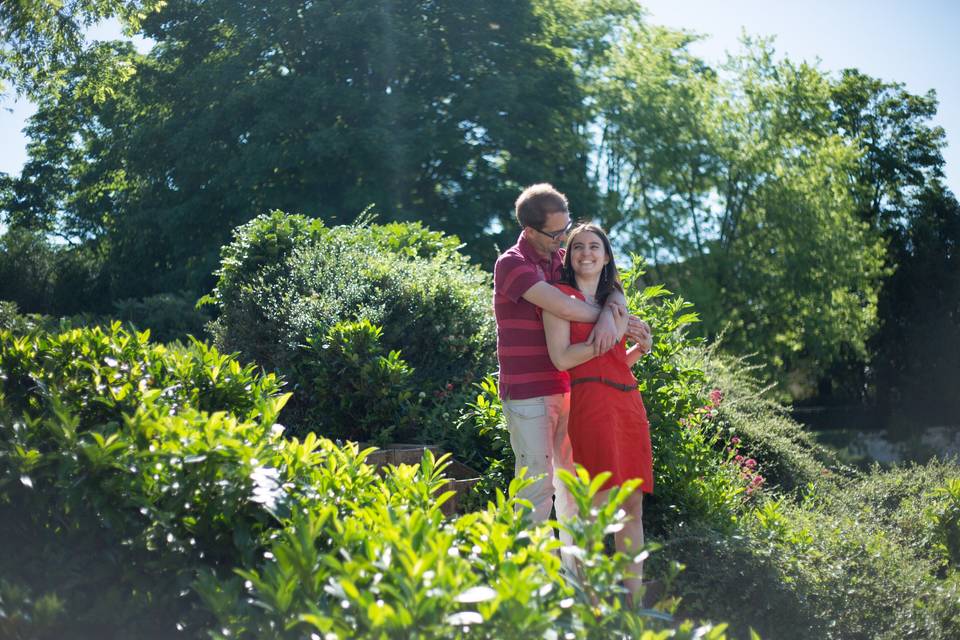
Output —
(525, 367)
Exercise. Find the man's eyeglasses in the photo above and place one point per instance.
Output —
(553, 235)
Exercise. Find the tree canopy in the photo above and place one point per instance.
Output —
(785, 201)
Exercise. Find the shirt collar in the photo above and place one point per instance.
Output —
(531, 254)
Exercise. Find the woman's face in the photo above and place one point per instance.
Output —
(588, 255)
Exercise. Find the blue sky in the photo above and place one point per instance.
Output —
(917, 43)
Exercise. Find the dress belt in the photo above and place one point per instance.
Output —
(610, 383)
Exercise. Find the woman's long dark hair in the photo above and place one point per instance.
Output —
(609, 277)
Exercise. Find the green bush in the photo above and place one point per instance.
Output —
(787, 455)
(945, 516)
(286, 281)
(854, 556)
(85, 417)
(168, 316)
(12, 320)
(150, 493)
(367, 392)
(692, 482)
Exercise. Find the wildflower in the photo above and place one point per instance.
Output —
(734, 440)
(716, 397)
(738, 459)
(449, 386)
(750, 463)
(757, 480)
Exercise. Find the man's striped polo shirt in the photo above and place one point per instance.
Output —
(525, 367)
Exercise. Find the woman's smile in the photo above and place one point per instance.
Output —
(588, 254)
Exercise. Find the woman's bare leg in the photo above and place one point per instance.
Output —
(629, 541)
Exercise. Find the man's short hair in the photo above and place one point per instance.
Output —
(536, 202)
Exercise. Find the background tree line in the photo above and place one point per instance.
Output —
(804, 213)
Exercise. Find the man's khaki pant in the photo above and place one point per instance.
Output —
(538, 435)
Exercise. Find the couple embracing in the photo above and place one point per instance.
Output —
(565, 382)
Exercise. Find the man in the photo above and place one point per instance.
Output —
(535, 395)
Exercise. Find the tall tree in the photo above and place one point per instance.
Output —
(917, 357)
(734, 182)
(901, 151)
(434, 111)
(899, 192)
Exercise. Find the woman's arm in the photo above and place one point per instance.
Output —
(634, 353)
(638, 349)
(563, 354)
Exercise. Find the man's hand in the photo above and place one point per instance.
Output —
(604, 335)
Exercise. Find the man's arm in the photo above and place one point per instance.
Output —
(605, 333)
(554, 301)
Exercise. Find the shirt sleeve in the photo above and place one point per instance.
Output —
(513, 276)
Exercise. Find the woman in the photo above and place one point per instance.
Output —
(608, 425)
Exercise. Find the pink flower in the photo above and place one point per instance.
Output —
(734, 440)
(750, 463)
(757, 480)
(738, 459)
(716, 397)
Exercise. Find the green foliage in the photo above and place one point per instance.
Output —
(760, 427)
(12, 320)
(853, 557)
(945, 517)
(482, 421)
(42, 38)
(916, 358)
(417, 133)
(287, 283)
(23, 617)
(168, 316)
(117, 464)
(364, 393)
(692, 483)
(42, 277)
(150, 492)
(735, 177)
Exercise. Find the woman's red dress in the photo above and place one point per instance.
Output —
(608, 425)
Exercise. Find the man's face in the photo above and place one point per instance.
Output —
(554, 223)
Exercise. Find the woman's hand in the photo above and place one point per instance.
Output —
(638, 330)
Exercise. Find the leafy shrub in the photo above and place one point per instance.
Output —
(23, 616)
(82, 495)
(788, 456)
(692, 482)
(168, 316)
(367, 392)
(945, 517)
(285, 281)
(12, 320)
(853, 557)
(150, 492)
